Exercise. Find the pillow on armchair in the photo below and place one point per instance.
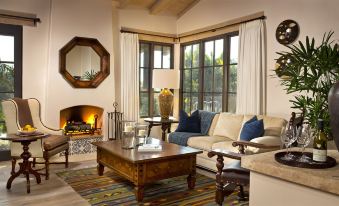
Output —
(189, 123)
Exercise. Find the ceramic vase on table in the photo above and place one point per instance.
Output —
(333, 105)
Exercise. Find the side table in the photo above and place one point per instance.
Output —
(25, 166)
(164, 123)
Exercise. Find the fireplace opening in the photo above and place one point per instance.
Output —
(82, 120)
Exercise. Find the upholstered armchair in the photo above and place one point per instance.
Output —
(20, 112)
(229, 177)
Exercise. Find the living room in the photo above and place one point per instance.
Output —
(169, 29)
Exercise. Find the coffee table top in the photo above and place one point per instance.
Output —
(169, 150)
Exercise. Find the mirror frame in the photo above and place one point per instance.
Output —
(98, 48)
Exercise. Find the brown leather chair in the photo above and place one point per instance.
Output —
(19, 112)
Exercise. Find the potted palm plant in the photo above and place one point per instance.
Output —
(309, 73)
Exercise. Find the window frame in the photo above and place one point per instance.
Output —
(16, 31)
(150, 69)
(226, 67)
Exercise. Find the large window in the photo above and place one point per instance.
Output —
(152, 56)
(209, 74)
(10, 66)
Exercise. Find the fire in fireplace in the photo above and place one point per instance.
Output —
(81, 119)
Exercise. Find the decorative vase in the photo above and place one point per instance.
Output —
(333, 105)
(165, 103)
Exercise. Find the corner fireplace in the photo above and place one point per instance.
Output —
(82, 120)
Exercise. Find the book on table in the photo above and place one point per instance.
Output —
(150, 148)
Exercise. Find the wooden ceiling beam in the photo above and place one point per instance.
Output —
(123, 3)
(190, 6)
(159, 6)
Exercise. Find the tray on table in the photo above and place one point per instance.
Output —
(309, 163)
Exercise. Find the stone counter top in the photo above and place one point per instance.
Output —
(326, 180)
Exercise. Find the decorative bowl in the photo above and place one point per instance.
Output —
(26, 132)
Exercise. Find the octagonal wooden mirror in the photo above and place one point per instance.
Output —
(84, 62)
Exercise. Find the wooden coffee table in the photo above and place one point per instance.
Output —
(145, 167)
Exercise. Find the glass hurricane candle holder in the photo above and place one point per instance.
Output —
(128, 134)
(129, 141)
(141, 131)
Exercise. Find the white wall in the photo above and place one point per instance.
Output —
(315, 17)
(61, 20)
(35, 46)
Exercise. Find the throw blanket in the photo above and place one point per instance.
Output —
(181, 138)
(206, 119)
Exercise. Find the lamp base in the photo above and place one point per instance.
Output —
(165, 103)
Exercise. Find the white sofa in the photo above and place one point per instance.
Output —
(225, 129)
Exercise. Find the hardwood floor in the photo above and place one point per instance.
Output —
(49, 192)
(52, 192)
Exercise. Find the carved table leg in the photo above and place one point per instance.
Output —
(139, 192)
(149, 128)
(219, 193)
(100, 169)
(192, 176)
(28, 183)
(164, 127)
(191, 180)
(15, 175)
(25, 168)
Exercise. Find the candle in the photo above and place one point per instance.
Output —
(128, 128)
(142, 132)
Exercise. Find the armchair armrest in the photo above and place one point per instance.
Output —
(225, 153)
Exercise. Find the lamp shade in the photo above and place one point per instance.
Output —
(165, 78)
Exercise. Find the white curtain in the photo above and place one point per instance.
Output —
(130, 76)
(251, 80)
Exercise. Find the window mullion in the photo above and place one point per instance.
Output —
(201, 75)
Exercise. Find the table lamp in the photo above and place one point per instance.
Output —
(165, 79)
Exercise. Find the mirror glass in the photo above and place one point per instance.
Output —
(83, 63)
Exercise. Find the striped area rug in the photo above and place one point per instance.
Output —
(111, 189)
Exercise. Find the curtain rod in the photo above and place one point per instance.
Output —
(229, 25)
(210, 30)
(135, 32)
(35, 20)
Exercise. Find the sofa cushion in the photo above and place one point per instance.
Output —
(204, 142)
(228, 125)
(267, 140)
(227, 145)
(273, 125)
(253, 128)
(54, 141)
(213, 124)
(189, 123)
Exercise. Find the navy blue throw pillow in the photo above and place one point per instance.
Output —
(253, 128)
(189, 123)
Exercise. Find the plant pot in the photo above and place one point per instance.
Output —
(333, 105)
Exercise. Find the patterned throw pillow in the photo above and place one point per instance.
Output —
(253, 128)
(189, 123)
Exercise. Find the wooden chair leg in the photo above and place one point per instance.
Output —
(66, 158)
(13, 166)
(242, 195)
(34, 161)
(219, 193)
(47, 167)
